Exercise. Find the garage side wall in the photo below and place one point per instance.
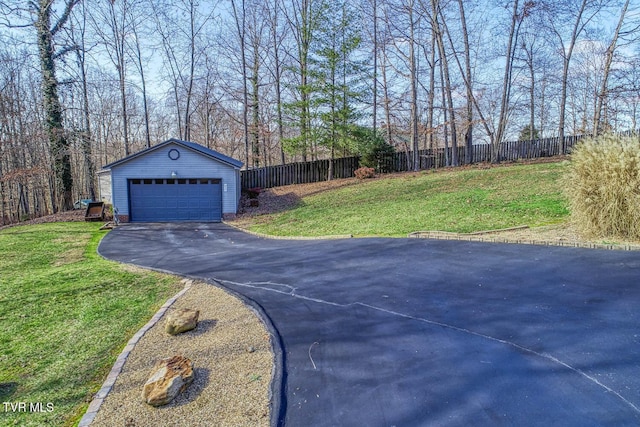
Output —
(157, 164)
(104, 186)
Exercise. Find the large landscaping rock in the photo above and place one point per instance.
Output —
(169, 378)
(181, 320)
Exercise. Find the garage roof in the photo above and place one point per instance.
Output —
(187, 144)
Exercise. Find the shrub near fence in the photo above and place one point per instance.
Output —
(305, 172)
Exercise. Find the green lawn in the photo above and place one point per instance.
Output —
(65, 315)
(452, 200)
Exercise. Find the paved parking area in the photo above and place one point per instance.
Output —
(412, 332)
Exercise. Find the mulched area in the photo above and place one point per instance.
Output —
(68, 216)
(278, 199)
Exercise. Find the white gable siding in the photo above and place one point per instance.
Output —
(104, 186)
(157, 164)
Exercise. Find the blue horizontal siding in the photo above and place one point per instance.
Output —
(157, 164)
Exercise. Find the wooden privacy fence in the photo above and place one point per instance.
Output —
(506, 152)
(298, 173)
(305, 172)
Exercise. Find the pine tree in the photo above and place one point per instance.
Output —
(336, 76)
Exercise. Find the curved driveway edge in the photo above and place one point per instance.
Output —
(383, 332)
(268, 236)
(278, 375)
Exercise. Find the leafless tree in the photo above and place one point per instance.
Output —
(111, 22)
(468, 132)
(611, 49)
(239, 12)
(574, 16)
(438, 24)
(277, 35)
(78, 34)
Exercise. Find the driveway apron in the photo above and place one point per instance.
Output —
(411, 332)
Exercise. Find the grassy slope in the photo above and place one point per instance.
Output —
(456, 200)
(65, 315)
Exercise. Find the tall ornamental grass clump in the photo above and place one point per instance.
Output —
(604, 187)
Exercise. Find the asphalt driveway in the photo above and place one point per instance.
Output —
(409, 332)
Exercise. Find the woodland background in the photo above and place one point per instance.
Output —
(84, 83)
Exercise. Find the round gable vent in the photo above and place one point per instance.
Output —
(174, 154)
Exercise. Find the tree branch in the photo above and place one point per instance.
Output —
(65, 16)
(9, 14)
(66, 50)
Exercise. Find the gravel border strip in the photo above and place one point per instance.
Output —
(499, 230)
(444, 235)
(99, 397)
(277, 395)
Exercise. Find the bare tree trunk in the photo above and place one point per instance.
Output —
(208, 105)
(273, 14)
(125, 116)
(435, 4)
(174, 64)
(143, 81)
(304, 45)
(375, 67)
(602, 94)
(468, 84)
(387, 98)
(86, 134)
(279, 112)
(532, 91)
(567, 52)
(333, 126)
(414, 91)
(118, 32)
(512, 43)
(445, 112)
(255, 106)
(432, 90)
(468, 132)
(543, 109)
(176, 98)
(2, 189)
(241, 29)
(192, 65)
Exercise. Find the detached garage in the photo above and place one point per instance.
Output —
(173, 181)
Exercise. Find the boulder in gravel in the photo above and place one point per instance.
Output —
(181, 320)
(169, 378)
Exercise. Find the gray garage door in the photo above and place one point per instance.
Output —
(175, 199)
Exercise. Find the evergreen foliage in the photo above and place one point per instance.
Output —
(527, 135)
(326, 107)
(375, 152)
